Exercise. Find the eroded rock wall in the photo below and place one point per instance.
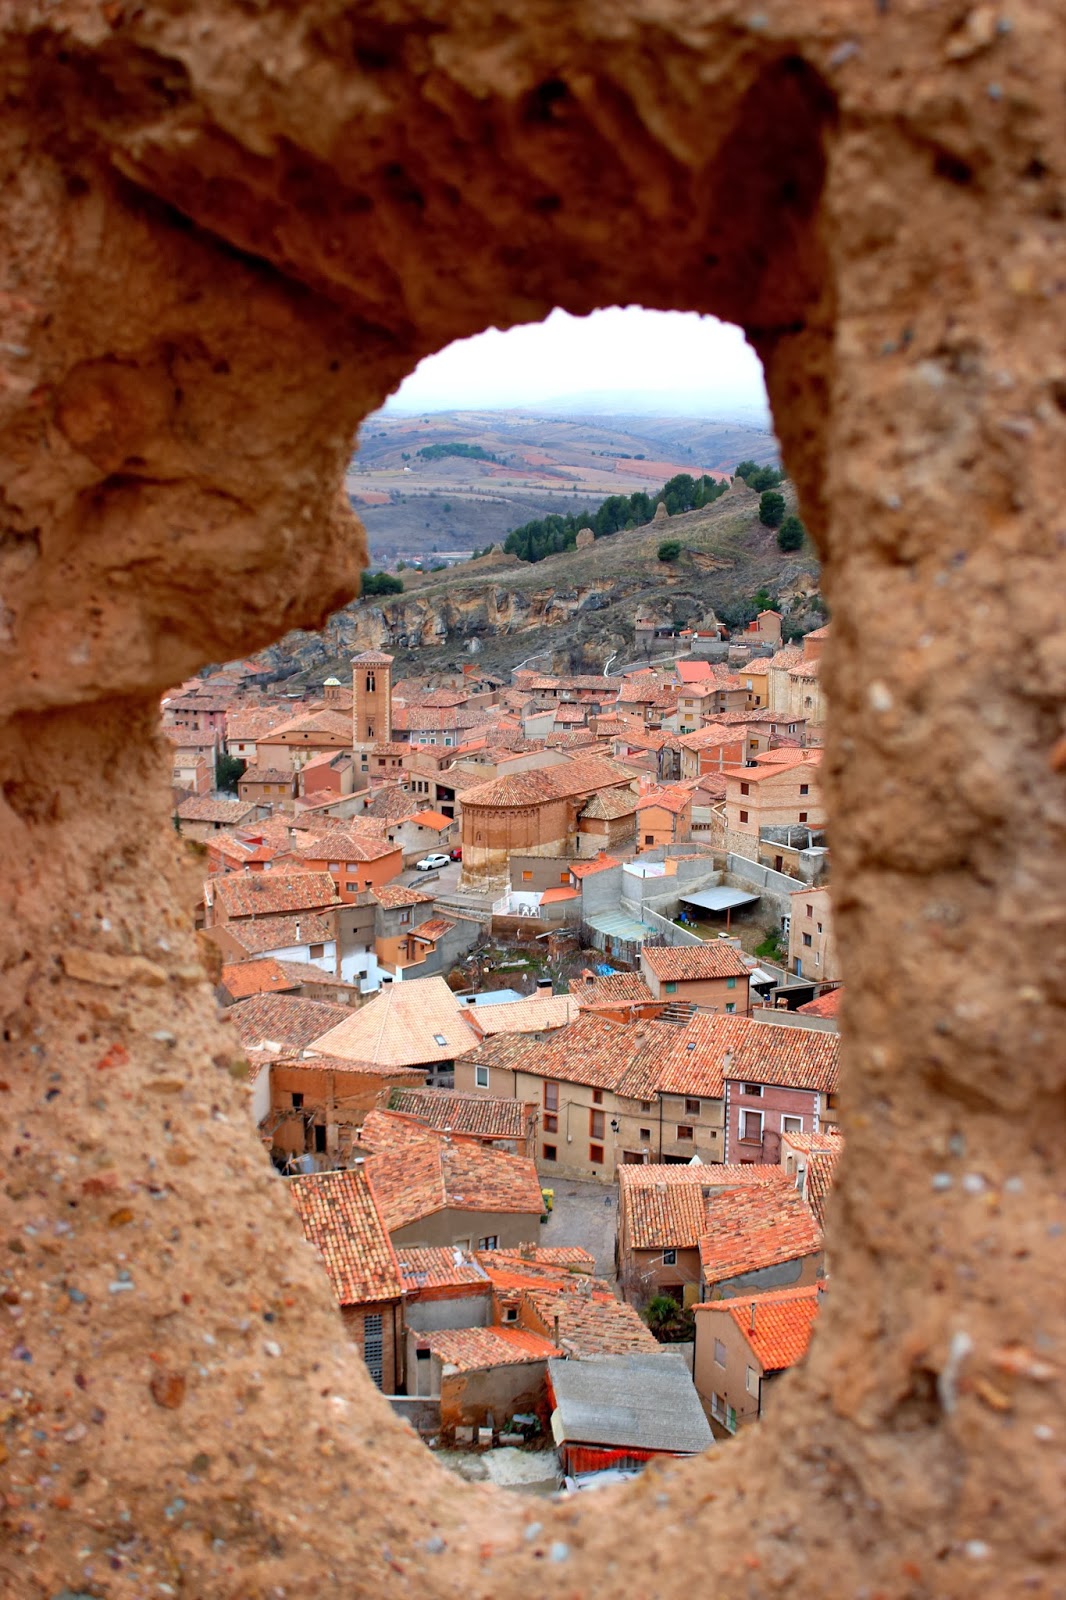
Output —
(230, 230)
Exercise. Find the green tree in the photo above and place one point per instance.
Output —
(228, 769)
(670, 549)
(771, 509)
(791, 534)
(380, 583)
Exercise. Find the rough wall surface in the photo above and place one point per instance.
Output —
(230, 229)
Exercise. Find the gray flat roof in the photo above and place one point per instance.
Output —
(720, 899)
(618, 926)
(648, 1402)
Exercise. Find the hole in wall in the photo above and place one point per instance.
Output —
(534, 433)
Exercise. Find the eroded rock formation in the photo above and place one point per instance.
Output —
(231, 229)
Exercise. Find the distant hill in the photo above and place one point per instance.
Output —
(578, 606)
(489, 471)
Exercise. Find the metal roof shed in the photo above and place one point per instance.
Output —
(719, 899)
(637, 1404)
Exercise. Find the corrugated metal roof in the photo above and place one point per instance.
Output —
(719, 899)
(646, 1401)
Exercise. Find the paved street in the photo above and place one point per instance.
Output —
(584, 1215)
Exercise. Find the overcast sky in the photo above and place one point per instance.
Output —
(671, 359)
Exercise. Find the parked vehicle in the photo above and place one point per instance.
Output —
(456, 854)
(431, 863)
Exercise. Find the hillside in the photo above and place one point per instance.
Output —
(578, 606)
(530, 465)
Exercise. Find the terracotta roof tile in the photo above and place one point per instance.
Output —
(471, 1349)
(444, 1267)
(256, 935)
(283, 1019)
(254, 894)
(206, 808)
(536, 1014)
(480, 1115)
(622, 989)
(340, 1218)
(577, 777)
(600, 863)
(664, 1205)
(826, 1005)
(433, 1174)
(760, 1225)
(392, 896)
(690, 963)
(784, 1321)
(402, 1027)
(821, 1170)
(591, 1321)
(241, 979)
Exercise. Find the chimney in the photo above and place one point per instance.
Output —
(752, 1328)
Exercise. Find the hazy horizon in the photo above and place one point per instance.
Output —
(616, 361)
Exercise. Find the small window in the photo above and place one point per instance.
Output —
(489, 1242)
(753, 1089)
(645, 1135)
(405, 916)
(547, 1152)
(803, 816)
(597, 1097)
(745, 788)
(719, 1353)
(751, 1382)
(481, 1077)
(692, 1107)
(527, 877)
(649, 838)
(684, 1131)
(669, 1258)
(551, 1122)
(810, 911)
(297, 1102)
(805, 788)
(731, 1007)
(751, 1127)
(807, 941)
(819, 927)
(730, 983)
(511, 1314)
(645, 1105)
(595, 1124)
(564, 877)
(743, 816)
(317, 950)
(792, 1124)
(596, 1155)
(551, 1097)
(334, 866)
(671, 988)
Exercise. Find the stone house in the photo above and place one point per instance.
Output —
(742, 1346)
(314, 1104)
(664, 816)
(356, 857)
(436, 1190)
(659, 1223)
(289, 746)
(341, 1221)
(202, 816)
(272, 787)
(607, 822)
(712, 976)
(424, 833)
(328, 776)
(710, 749)
(531, 813)
(240, 896)
(506, 1125)
(758, 1236)
(417, 1024)
(780, 791)
(245, 725)
(781, 1081)
(812, 951)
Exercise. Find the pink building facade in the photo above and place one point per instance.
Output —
(755, 1116)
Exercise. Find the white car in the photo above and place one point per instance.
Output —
(431, 863)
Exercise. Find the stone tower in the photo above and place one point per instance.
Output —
(372, 698)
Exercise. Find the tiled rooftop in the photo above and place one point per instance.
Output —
(821, 1170)
(255, 894)
(664, 1205)
(445, 1267)
(580, 776)
(592, 1322)
(340, 1218)
(283, 1019)
(536, 1014)
(241, 979)
(393, 896)
(826, 1005)
(403, 1026)
(759, 1225)
(784, 1321)
(691, 963)
(256, 935)
(430, 1174)
(599, 863)
(206, 808)
(623, 989)
(471, 1349)
(480, 1115)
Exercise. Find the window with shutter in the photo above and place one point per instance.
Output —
(374, 1346)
